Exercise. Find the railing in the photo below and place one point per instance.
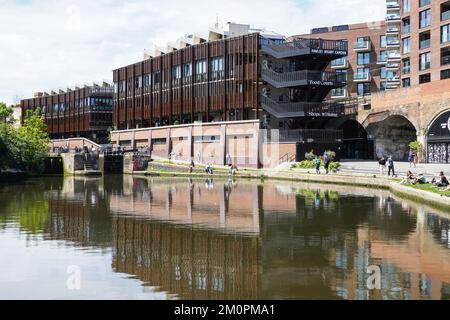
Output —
(361, 44)
(319, 44)
(311, 135)
(305, 75)
(301, 109)
(337, 63)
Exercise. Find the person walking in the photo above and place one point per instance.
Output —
(382, 163)
(326, 162)
(317, 162)
(412, 158)
(391, 168)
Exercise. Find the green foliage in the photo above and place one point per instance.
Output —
(416, 146)
(310, 155)
(24, 148)
(309, 164)
(331, 154)
(6, 113)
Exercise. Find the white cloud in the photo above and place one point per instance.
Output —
(50, 44)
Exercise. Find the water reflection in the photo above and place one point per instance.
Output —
(210, 239)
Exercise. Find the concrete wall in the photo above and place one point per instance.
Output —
(205, 142)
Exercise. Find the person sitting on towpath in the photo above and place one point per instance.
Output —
(420, 179)
(410, 178)
(442, 182)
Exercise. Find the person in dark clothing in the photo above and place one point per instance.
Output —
(391, 167)
(443, 181)
(326, 162)
(382, 163)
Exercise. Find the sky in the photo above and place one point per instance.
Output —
(52, 44)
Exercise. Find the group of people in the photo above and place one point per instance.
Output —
(387, 163)
(441, 181)
(326, 163)
(65, 149)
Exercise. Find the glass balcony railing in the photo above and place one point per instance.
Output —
(391, 30)
(393, 17)
(393, 55)
(339, 63)
(361, 76)
(394, 42)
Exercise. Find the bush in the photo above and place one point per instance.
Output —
(310, 156)
(309, 164)
(331, 154)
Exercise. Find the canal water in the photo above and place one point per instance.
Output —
(136, 238)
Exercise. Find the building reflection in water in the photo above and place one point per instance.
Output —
(242, 240)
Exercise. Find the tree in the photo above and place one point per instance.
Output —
(24, 148)
(6, 113)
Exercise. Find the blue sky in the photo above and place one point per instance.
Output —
(48, 44)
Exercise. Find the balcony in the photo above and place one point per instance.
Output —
(393, 18)
(394, 56)
(362, 45)
(393, 43)
(341, 63)
(393, 80)
(301, 109)
(392, 5)
(304, 47)
(392, 31)
(393, 66)
(362, 77)
(303, 78)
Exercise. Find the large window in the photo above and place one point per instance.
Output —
(406, 45)
(425, 18)
(445, 74)
(406, 82)
(445, 11)
(363, 58)
(187, 70)
(406, 25)
(363, 89)
(425, 61)
(406, 6)
(383, 73)
(424, 40)
(406, 66)
(424, 78)
(445, 33)
(445, 56)
(362, 74)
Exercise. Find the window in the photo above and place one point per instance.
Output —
(383, 41)
(445, 56)
(363, 58)
(445, 33)
(424, 40)
(406, 45)
(406, 82)
(176, 72)
(138, 82)
(341, 75)
(147, 80)
(362, 74)
(363, 89)
(406, 6)
(406, 66)
(445, 74)
(424, 78)
(423, 3)
(425, 18)
(382, 57)
(383, 73)
(406, 25)
(187, 70)
(425, 61)
(445, 11)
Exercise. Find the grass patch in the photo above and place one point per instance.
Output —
(430, 188)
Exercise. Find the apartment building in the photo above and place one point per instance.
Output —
(365, 67)
(425, 37)
(84, 111)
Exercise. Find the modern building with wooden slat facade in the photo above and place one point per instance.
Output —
(78, 112)
(232, 76)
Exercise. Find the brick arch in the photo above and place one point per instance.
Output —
(384, 115)
(431, 119)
